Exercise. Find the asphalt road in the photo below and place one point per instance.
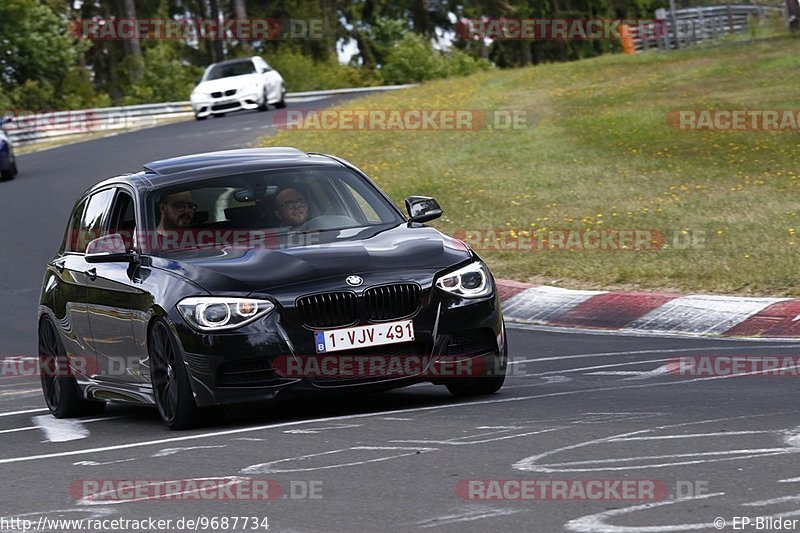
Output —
(576, 406)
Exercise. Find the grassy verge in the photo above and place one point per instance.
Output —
(597, 152)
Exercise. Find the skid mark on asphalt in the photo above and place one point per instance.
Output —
(533, 464)
(95, 463)
(331, 459)
(85, 514)
(479, 437)
(174, 451)
(597, 523)
(324, 428)
(158, 490)
(469, 514)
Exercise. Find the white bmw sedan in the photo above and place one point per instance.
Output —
(238, 84)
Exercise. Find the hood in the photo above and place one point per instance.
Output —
(231, 82)
(370, 252)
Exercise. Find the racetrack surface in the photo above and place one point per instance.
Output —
(576, 406)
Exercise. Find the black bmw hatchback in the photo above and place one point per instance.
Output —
(238, 276)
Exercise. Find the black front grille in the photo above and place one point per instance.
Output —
(328, 310)
(216, 94)
(390, 302)
(472, 342)
(250, 372)
(230, 92)
(229, 105)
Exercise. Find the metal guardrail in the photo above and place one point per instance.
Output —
(29, 128)
(699, 24)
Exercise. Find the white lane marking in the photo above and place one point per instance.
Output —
(224, 433)
(691, 435)
(616, 373)
(512, 323)
(60, 430)
(325, 428)
(772, 501)
(250, 439)
(461, 441)
(498, 427)
(468, 515)
(398, 451)
(637, 352)
(95, 463)
(583, 368)
(21, 392)
(19, 429)
(24, 412)
(396, 418)
(755, 452)
(173, 451)
(596, 523)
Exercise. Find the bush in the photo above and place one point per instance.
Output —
(301, 73)
(413, 60)
(165, 78)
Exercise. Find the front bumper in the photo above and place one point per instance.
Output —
(245, 366)
(204, 107)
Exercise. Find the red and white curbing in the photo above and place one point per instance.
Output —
(727, 316)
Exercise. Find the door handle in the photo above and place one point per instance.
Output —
(92, 274)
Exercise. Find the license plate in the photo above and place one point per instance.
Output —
(335, 340)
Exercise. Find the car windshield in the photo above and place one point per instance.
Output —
(227, 70)
(244, 209)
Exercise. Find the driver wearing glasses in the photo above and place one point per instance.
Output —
(177, 213)
(291, 207)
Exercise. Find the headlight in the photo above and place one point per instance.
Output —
(208, 313)
(471, 281)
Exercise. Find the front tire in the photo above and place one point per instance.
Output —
(61, 392)
(170, 379)
(264, 104)
(282, 103)
(489, 383)
(198, 117)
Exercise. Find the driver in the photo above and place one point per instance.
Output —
(291, 207)
(177, 212)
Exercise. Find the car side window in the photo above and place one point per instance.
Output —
(72, 237)
(94, 218)
(123, 218)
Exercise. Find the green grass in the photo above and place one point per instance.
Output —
(598, 153)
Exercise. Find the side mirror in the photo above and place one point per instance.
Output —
(422, 208)
(108, 249)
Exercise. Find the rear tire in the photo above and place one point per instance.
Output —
(61, 392)
(8, 175)
(170, 379)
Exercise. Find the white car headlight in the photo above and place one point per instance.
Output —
(211, 313)
(471, 281)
